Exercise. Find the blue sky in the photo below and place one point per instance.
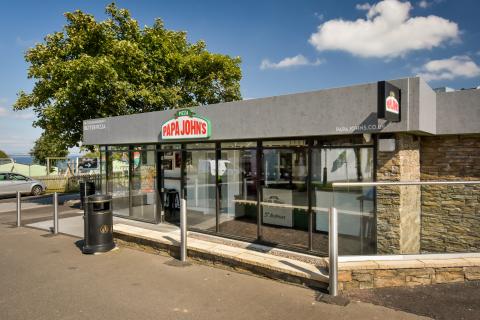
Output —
(286, 46)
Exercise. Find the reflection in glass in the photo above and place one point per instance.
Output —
(118, 182)
(355, 205)
(103, 170)
(237, 174)
(143, 191)
(200, 189)
(171, 182)
(284, 197)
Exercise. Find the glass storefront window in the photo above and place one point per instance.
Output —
(346, 141)
(285, 143)
(283, 176)
(118, 181)
(201, 145)
(233, 145)
(118, 148)
(200, 189)
(143, 181)
(103, 170)
(355, 206)
(170, 146)
(170, 182)
(237, 174)
(285, 198)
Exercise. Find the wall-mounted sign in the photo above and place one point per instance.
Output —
(186, 125)
(389, 103)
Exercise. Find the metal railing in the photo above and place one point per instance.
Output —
(53, 229)
(333, 220)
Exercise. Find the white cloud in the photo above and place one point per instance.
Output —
(365, 6)
(19, 41)
(448, 69)
(7, 112)
(319, 16)
(289, 62)
(388, 31)
(424, 4)
(3, 112)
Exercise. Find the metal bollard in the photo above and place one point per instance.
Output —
(333, 252)
(183, 230)
(19, 209)
(55, 213)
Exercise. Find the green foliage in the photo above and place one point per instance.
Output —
(3, 154)
(92, 155)
(96, 69)
(48, 146)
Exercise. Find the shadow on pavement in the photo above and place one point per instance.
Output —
(439, 301)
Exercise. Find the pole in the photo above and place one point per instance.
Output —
(183, 229)
(333, 251)
(55, 213)
(19, 209)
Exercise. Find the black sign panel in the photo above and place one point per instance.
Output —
(389, 102)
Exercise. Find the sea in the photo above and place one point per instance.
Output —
(26, 159)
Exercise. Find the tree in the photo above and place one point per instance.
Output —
(96, 69)
(48, 146)
(3, 154)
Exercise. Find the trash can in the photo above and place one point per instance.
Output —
(98, 224)
(87, 188)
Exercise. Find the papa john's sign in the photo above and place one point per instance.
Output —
(388, 101)
(186, 125)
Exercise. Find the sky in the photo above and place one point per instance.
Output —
(286, 46)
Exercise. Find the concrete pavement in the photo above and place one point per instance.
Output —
(47, 277)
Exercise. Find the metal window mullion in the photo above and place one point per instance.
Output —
(130, 178)
(259, 161)
(309, 195)
(183, 159)
(217, 189)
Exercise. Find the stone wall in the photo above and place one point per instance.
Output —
(379, 274)
(450, 214)
(398, 208)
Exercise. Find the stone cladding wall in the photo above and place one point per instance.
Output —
(450, 214)
(398, 207)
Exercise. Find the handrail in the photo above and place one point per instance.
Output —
(333, 219)
(401, 183)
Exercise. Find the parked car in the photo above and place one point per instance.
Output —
(11, 183)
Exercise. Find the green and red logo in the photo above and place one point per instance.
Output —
(186, 125)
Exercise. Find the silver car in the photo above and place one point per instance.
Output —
(11, 183)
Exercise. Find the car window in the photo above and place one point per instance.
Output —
(3, 177)
(17, 177)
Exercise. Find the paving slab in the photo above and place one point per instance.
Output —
(246, 257)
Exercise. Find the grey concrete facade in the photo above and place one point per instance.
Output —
(339, 111)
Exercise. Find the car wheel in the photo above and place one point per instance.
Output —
(37, 190)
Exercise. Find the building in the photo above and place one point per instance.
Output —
(262, 169)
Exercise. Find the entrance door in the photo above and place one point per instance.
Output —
(200, 188)
(169, 182)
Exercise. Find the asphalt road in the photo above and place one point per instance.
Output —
(47, 277)
(441, 301)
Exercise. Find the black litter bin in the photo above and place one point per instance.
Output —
(87, 188)
(98, 224)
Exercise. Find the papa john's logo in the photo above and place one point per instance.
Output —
(391, 103)
(186, 125)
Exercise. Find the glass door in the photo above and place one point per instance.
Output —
(200, 189)
(284, 197)
(142, 183)
(169, 182)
